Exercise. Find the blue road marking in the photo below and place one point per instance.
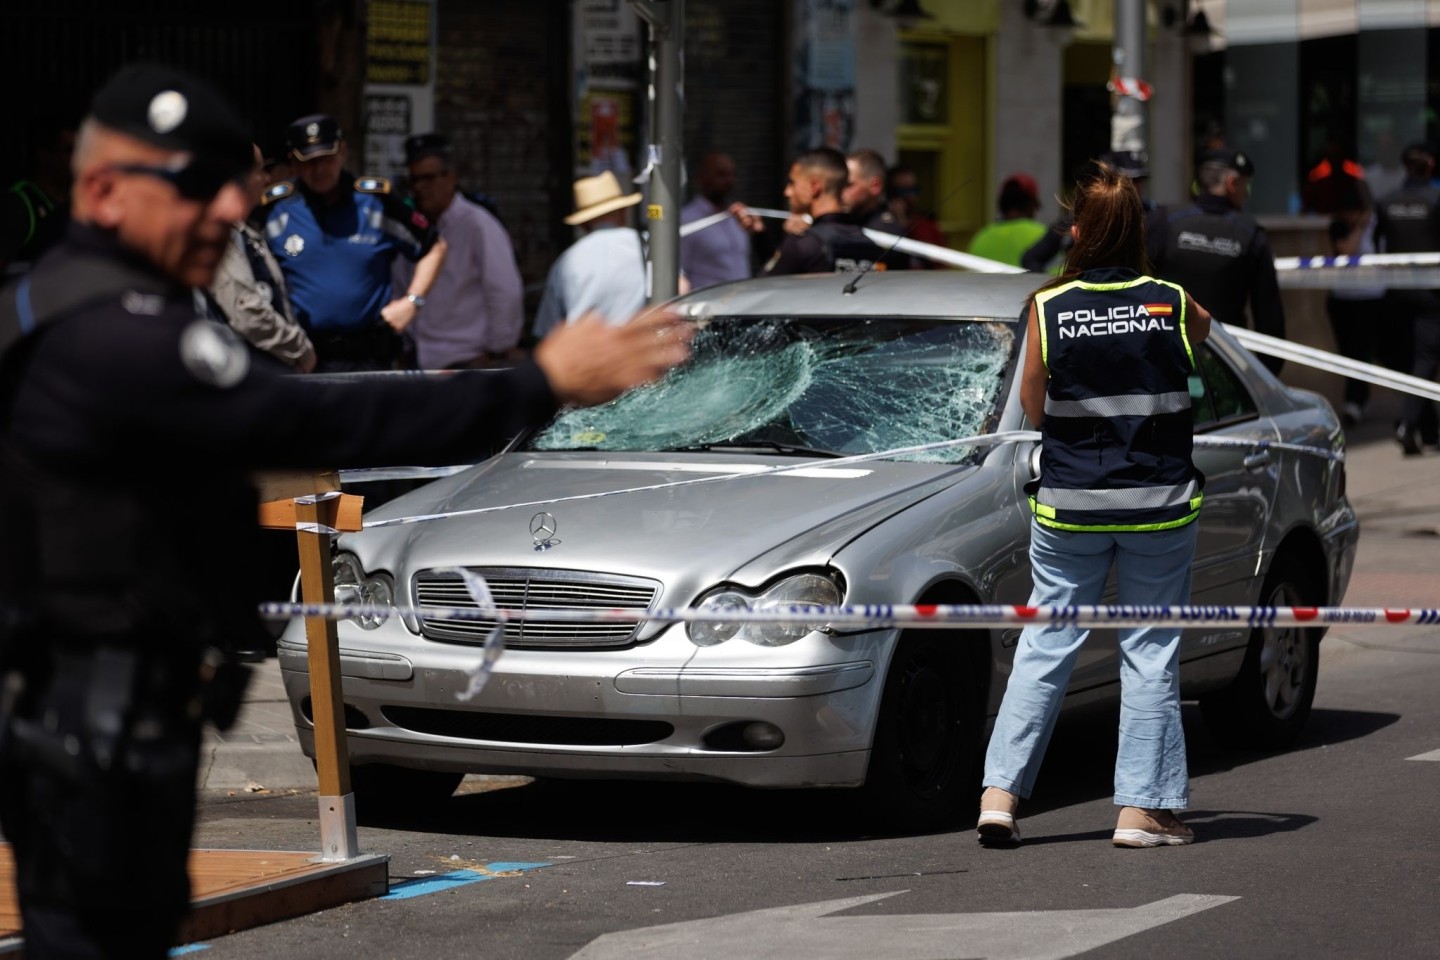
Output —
(188, 948)
(419, 886)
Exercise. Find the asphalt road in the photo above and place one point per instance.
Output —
(1329, 850)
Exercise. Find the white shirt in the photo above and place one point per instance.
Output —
(477, 303)
(603, 270)
(717, 253)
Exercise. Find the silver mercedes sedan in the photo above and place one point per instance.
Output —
(593, 511)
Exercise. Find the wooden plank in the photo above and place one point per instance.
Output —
(238, 889)
(317, 585)
(280, 514)
(9, 901)
(299, 890)
(289, 484)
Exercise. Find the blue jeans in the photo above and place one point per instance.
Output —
(1070, 568)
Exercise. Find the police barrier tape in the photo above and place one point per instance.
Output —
(853, 618)
(1334, 363)
(908, 616)
(1389, 270)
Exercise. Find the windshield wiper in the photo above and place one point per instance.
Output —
(786, 448)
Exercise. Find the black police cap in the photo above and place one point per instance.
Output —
(317, 135)
(1230, 159)
(1128, 163)
(171, 109)
(426, 145)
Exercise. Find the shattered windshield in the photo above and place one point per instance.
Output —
(843, 387)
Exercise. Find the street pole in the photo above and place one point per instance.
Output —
(1129, 123)
(666, 151)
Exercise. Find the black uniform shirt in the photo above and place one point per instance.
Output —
(1222, 257)
(138, 425)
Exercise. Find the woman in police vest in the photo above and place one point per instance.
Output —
(1108, 355)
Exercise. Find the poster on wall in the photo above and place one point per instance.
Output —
(399, 97)
(610, 53)
(387, 124)
(824, 74)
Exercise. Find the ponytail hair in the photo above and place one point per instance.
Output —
(1110, 225)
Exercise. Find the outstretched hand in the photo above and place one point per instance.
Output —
(589, 361)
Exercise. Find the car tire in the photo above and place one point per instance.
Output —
(382, 789)
(1268, 703)
(927, 736)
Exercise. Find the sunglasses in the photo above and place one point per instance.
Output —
(197, 180)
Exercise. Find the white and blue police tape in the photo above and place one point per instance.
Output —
(861, 617)
(1389, 270)
(886, 615)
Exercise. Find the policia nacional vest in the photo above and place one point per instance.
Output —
(1118, 433)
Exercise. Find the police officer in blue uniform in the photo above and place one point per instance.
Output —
(335, 236)
(1217, 251)
(130, 425)
(1108, 354)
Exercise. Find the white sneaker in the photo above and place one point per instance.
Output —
(997, 825)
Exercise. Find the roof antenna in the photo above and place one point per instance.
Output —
(932, 215)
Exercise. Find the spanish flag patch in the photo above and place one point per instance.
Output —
(1159, 309)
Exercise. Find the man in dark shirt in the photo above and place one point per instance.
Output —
(1217, 252)
(1408, 221)
(833, 243)
(864, 198)
(116, 394)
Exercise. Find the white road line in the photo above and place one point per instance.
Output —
(807, 931)
(1432, 755)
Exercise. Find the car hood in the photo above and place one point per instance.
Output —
(695, 533)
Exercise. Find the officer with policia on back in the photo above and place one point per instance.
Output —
(1217, 251)
(129, 428)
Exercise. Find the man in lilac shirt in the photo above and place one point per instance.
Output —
(720, 252)
(475, 311)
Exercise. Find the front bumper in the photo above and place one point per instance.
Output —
(401, 708)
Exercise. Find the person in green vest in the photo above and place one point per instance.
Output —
(1017, 230)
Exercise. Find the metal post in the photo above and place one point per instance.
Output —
(667, 92)
(1129, 124)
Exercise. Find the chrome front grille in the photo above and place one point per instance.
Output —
(529, 589)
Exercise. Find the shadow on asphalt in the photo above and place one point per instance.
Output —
(1078, 769)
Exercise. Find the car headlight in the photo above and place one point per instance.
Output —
(354, 585)
(807, 588)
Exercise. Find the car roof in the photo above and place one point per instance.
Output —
(893, 293)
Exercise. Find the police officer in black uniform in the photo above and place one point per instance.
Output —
(833, 243)
(129, 426)
(1406, 222)
(1215, 250)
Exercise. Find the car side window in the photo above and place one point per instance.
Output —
(1216, 394)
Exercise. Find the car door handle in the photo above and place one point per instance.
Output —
(1257, 460)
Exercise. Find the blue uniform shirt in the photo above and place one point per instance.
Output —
(336, 259)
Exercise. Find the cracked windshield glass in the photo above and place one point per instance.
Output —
(812, 387)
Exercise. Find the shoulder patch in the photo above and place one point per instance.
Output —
(372, 185)
(278, 191)
(214, 354)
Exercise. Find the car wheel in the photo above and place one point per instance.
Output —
(927, 734)
(1267, 705)
(383, 789)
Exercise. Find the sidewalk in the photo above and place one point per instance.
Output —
(260, 752)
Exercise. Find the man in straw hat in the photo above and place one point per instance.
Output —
(605, 269)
